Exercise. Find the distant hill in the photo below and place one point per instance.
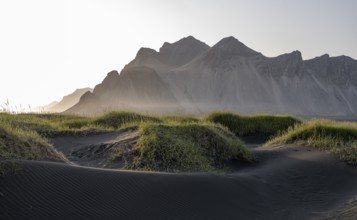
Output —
(67, 101)
(188, 76)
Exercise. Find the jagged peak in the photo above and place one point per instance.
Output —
(228, 40)
(112, 75)
(144, 51)
(296, 54)
(234, 47)
(188, 41)
(182, 51)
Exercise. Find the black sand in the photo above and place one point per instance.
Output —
(290, 182)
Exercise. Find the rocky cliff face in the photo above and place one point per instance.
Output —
(190, 77)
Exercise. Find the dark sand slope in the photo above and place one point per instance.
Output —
(94, 150)
(291, 182)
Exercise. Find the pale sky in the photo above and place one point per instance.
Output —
(48, 48)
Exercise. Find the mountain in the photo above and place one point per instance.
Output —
(67, 101)
(188, 76)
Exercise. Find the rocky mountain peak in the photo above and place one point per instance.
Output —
(109, 81)
(230, 46)
(185, 42)
(145, 52)
(112, 75)
(182, 51)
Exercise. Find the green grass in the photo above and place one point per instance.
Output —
(186, 147)
(244, 125)
(339, 138)
(50, 125)
(116, 120)
(19, 143)
(179, 119)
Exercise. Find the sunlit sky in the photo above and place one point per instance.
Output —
(48, 48)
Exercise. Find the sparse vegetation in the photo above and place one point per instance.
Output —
(339, 138)
(187, 147)
(243, 125)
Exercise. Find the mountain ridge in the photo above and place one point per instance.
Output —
(188, 76)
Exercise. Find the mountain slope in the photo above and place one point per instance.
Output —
(141, 85)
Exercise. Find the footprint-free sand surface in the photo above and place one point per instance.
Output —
(289, 182)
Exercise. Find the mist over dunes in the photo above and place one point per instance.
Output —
(188, 76)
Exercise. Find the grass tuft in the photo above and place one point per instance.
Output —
(339, 138)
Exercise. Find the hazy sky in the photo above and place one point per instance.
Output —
(49, 48)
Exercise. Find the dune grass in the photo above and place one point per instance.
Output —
(118, 119)
(19, 143)
(50, 125)
(339, 138)
(186, 147)
(179, 119)
(244, 125)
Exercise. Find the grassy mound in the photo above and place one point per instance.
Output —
(243, 125)
(186, 147)
(339, 138)
(17, 143)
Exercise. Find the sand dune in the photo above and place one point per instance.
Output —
(289, 182)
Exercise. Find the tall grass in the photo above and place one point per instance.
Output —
(243, 125)
(118, 119)
(339, 138)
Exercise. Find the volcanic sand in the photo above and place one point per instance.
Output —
(288, 182)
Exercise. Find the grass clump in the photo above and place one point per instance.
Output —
(179, 119)
(339, 138)
(244, 125)
(186, 147)
(116, 120)
(18, 143)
